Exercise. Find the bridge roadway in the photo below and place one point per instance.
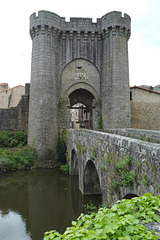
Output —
(113, 165)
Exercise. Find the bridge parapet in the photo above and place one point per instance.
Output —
(113, 165)
(141, 134)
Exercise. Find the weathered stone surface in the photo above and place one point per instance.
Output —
(97, 147)
(16, 118)
(145, 115)
(140, 134)
(154, 227)
(11, 97)
(72, 57)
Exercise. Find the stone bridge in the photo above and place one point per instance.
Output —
(113, 165)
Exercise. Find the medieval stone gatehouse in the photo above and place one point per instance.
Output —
(79, 61)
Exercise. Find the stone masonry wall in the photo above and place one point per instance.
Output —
(100, 146)
(56, 44)
(145, 115)
(11, 97)
(140, 134)
(140, 95)
(16, 118)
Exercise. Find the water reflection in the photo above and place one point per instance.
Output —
(13, 227)
(38, 201)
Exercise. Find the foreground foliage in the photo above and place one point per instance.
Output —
(13, 139)
(65, 168)
(14, 154)
(124, 221)
(20, 159)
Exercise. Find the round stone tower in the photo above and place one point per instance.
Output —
(115, 72)
(43, 108)
(76, 61)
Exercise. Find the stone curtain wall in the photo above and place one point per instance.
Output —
(11, 97)
(145, 115)
(16, 118)
(100, 146)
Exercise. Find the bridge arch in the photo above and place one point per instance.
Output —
(91, 179)
(73, 163)
(130, 195)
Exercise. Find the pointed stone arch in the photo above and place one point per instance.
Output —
(80, 73)
(80, 77)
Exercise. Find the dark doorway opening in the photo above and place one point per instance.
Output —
(81, 102)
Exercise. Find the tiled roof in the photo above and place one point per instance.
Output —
(144, 89)
(4, 84)
(11, 88)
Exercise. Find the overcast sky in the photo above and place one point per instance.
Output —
(144, 43)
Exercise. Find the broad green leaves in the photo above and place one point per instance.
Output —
(124, 221)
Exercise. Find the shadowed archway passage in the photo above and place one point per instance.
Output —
(81, 104)
(91, 179)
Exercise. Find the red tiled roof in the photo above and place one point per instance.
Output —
(4, 84)
(145, 89)
(11, 88)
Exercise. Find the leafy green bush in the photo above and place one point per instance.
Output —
(119, 169)
(23, 158)
(65, 168)
(127, 176)
(90, 208)
(124, 221)
(13, 138)
(5, 164)
(16, 160)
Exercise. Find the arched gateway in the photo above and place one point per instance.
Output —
(77, 65)
(80, 86)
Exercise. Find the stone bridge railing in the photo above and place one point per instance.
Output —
(113, 165)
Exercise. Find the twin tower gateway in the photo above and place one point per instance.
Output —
(74, 62)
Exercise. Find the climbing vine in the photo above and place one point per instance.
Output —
(120, 168)
(100, 123)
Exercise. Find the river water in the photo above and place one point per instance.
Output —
(32, 202)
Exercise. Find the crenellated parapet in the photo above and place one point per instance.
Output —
(44, 30)
(53, 20)
(113, 24)
(115, 18)
(116, 31)
(50, 23)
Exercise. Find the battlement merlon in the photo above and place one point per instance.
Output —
(115, 19)
(52, 20)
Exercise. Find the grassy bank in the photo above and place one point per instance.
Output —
(14, 152)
